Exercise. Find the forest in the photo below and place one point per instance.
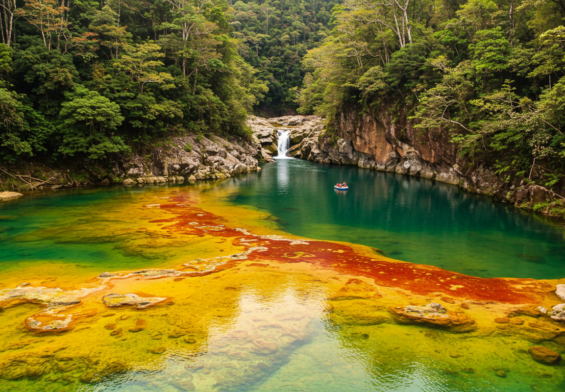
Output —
(492, 73)
(92, 79)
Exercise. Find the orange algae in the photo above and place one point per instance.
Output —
(233, 322)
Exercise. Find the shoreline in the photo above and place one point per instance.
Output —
(309, 140)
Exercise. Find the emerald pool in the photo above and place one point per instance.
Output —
(248, 302)
(408, 218)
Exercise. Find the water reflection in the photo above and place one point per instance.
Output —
(409, 218)
(283, 178)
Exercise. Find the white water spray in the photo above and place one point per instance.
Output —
(283, 144)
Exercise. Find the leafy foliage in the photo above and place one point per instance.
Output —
(491, 72)
(92, 79)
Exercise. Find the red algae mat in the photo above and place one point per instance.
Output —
(344, 259)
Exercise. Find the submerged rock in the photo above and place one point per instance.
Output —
(140, 325)
(114, 299)
(433, 314)
(544, 355)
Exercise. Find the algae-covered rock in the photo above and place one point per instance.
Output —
(14, 372)
(433, 314)
(114, 299)
(560, 291)
(157, 350)
(140, 325)
(544, 355)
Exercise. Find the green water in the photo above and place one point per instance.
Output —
(408, 218)
(69, 210)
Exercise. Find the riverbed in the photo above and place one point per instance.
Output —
(273, 281)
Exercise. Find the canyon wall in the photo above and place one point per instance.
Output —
(387, 142)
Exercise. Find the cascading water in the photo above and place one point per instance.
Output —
(283, 144)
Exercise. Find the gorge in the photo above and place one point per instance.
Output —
(169, 219)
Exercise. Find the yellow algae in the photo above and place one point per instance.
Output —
(230, 324)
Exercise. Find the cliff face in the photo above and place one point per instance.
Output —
(182, 158)
(191, 158)
(390, 144)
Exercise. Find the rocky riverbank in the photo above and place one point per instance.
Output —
(186, 158)
(372, 145)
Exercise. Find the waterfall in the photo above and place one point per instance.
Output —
(283, 145)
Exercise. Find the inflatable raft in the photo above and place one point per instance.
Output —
(343, 188)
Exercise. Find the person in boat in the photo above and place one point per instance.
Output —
(344, 184)
(338, 185)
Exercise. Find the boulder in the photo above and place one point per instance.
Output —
(4, 196)
(539, 194)
(544, 355)
(271, 149)
(296, 136)
(295, 151)
(129, 181)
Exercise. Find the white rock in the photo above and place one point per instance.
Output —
(560, 291)
(9, 195)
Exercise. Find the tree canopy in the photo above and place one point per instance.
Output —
(490, 72)
(92, 79)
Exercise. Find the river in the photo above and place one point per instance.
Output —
(283, 313)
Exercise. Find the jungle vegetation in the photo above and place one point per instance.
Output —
(88, 79)
(491, 72)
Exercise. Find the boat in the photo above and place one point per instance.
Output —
(343, 188)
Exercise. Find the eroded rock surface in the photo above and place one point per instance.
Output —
(113, 300)
(560, 291)
(433, 314)
(558, 313)
(191, 157)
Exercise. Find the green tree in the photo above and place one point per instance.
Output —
(89, 122)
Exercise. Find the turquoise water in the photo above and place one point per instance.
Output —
(64, 212)
(408, 218)
(329, 344)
